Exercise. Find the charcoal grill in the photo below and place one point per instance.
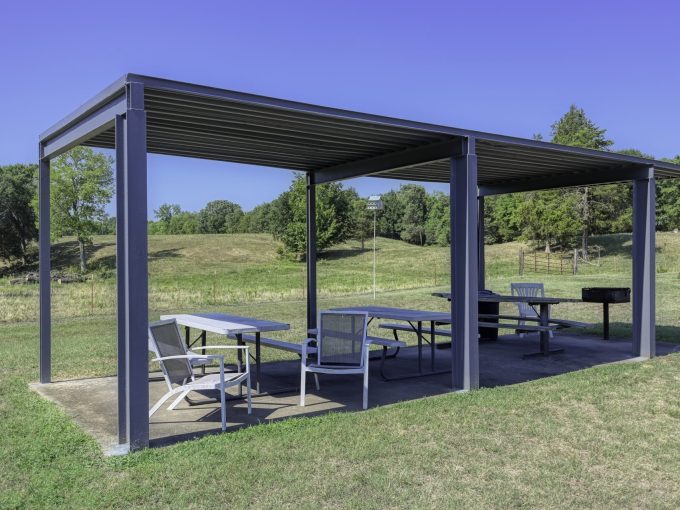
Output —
(606, 296)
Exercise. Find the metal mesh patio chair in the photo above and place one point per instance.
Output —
(178, 372)
(341, 349)
(524, 309)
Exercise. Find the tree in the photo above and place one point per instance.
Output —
(413, 198)
(333, 216)
(503, 220)
(259, 220)
(164, 215)
(549, 216)
(184, 223)
(389, 221)
(220, 217)
(82, 184)
(17, 217)
(438, 223)
(362, 220)
(107, 226)
(668, 201)
(576, 129)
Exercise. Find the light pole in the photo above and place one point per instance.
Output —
(375, 204)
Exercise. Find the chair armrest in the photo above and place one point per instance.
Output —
(202, 348)
(191, 356)
(241, 347)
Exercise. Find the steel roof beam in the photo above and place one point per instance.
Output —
(389, 161)
(604, 176)
(100, 120)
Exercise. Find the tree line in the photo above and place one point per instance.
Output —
(82, 185)
(410, 214)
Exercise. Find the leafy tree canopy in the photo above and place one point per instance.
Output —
(220, 217)
(82, 184)
(17, 217)
(576, 129)
(334, 223)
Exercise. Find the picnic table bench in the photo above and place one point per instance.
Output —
(544, 320)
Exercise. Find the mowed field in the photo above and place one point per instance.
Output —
(603, 437)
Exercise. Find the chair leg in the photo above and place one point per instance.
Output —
(316, 380)
(250, 397)
(365, 402)
(178, 399)
(223, 407)
(158, 404)
(303, 382)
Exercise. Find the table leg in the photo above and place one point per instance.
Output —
(239, 358)
(544, 312)
(204, 340)
(605, 320)
(433, 345)
(544, 320)
(420, 346)
(257, 362)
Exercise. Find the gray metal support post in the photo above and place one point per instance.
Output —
(44, 270)
(644, 267)
(464, 260)
(136, 271)
(481, 265)
(120, 277)
(311, 251)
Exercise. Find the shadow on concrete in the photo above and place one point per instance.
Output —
(92, 402)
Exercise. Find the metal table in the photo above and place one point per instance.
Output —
(225, 324)
(415, 319)
(543, 313)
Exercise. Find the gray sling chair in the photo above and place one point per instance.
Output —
(176, 363)
(342, 348)
(525, 309)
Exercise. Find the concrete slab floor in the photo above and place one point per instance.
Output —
(92, 403)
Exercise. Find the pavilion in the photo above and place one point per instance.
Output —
(140, 114)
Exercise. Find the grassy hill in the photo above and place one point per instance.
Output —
(603, 437)
(199, 271)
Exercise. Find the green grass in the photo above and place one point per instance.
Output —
(603, 437)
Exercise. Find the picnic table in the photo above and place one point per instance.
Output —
(415, 318)
(230, 326)
(543, 303)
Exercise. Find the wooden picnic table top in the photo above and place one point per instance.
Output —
(398, 314)
(532, 300)
(226, 324)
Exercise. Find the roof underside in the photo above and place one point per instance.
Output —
(202, 122)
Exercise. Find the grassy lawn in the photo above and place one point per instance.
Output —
(603, 437)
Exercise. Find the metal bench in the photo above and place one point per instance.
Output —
(560, 323)
(482, 324)
(277, 344)
(528, 328)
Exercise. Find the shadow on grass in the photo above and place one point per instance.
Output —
(66, 254)
(109, 262)
(624, 330)
(344, 253)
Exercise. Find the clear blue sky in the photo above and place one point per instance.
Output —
(511, 67)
